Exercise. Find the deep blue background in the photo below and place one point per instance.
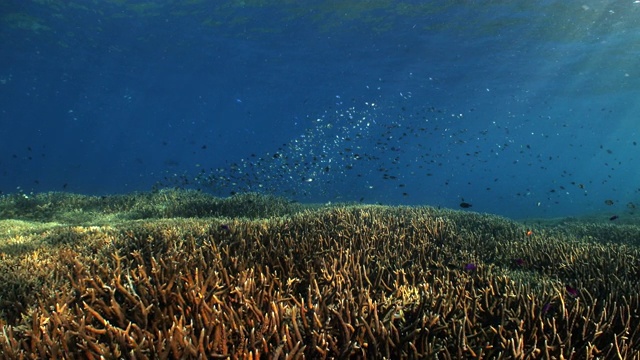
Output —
(521, 108)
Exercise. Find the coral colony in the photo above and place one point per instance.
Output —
(181, 275)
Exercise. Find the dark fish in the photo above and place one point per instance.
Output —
(465, 205)
(546, 308)
(519, 261)
(573, 292)
(608, 202)
(470, 267)
(614, 217)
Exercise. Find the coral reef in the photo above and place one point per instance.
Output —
(324, 282)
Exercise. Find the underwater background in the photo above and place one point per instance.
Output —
(319, 180)
(516, 108)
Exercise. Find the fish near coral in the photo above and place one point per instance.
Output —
(573, 292)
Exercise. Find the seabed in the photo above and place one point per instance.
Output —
(184, 275)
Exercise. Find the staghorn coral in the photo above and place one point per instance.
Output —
(339, 282)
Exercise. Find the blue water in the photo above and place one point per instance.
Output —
(520, 108)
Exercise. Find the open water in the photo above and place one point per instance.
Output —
(517, 108)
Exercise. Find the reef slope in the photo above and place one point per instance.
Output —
(179, 274)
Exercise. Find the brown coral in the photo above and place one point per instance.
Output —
(342, 282)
